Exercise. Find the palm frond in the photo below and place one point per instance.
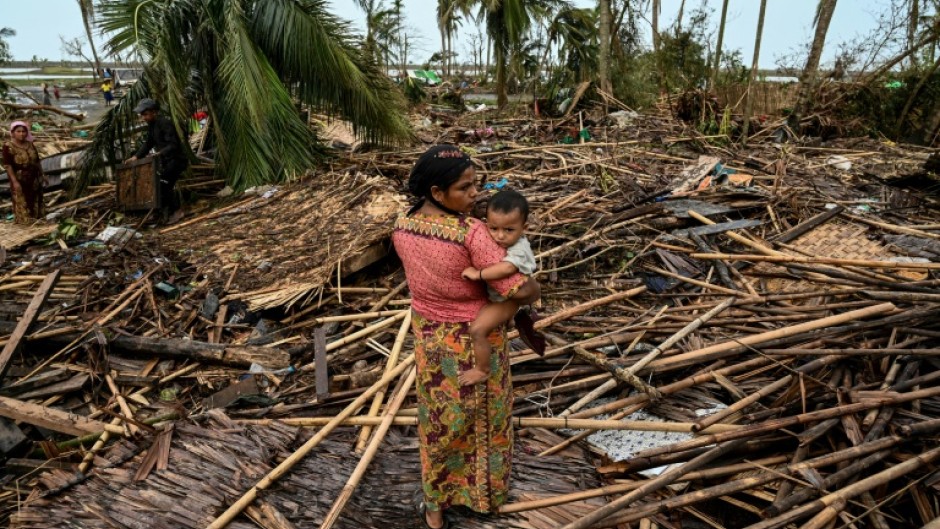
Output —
(328, 72)
(246, 61)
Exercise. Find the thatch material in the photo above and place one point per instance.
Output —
(317, 228)
(211, 464)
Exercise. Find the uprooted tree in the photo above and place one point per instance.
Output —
(247, 63)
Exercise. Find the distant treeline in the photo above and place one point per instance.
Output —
(68, 64)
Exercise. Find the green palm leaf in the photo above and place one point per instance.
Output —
(248, 62)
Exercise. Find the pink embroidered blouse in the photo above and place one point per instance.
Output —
(435, 250)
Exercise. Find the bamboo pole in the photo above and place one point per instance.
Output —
(400, 393)
(766, 250)
(618, 372)
(754, 430)
(236, 508)
(620, 488)
(676, 386)
(348, 317)
(664, 480)
(863, 263)
(831, 504)
(716, 417)
(405, 418)
(586, 306)
(357, 335)
(674, 339)
(389, 364)
(125, 409)
(719, 350)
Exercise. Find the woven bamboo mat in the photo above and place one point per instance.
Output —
(835, 240)
(16, 235)
(210, 465)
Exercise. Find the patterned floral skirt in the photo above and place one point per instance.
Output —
(465, 433)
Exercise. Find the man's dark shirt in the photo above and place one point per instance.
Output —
(161, 135)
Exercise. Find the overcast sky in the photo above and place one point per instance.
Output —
(39, 23)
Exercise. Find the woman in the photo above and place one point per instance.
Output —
(465, 432)
(21, 161)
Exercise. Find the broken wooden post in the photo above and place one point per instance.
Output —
(27, 320)
(53, 419)
(321, 373)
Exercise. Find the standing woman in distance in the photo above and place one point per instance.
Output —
(24, 171)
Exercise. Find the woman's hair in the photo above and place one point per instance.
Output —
(507, 201)
(439, 166)
(14, 127)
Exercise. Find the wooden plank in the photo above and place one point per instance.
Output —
(223, 398)
(60, 388)
(52, 419)
(724, 226)
(43, 379)
(370, 255)
(319, 361)
(29, 317)
(803, 227)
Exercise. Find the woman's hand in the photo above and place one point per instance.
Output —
(14, 183)
(472, 274)
(472, 376)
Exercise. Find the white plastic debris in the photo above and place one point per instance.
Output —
(623, 118)
(117, 235)
(839, 162)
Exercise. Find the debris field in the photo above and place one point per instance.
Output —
(739, 337)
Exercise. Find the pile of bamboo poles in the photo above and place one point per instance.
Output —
(819, 369)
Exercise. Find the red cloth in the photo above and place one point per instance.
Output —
(435, 250)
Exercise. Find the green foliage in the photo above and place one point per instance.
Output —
(733, 70)
(5, 56)
(681, 63)
(683, 60)
(248, 62)
(877, 108)
(413, 90)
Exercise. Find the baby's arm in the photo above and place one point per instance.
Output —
(494, 272)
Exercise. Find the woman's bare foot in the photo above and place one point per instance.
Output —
(472, 376)
(434, 519)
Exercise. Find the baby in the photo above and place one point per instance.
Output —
(506, 219)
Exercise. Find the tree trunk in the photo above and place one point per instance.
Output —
(656, 26)
(679, 18)
(750, 83)
(489, 53)
(502, 96)
(86, 7)
(721, 38)
(912, 28)
(658, 62)
(910, 100)
(604, 56)
(443, 49)
(807, 92)
(450, 52)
